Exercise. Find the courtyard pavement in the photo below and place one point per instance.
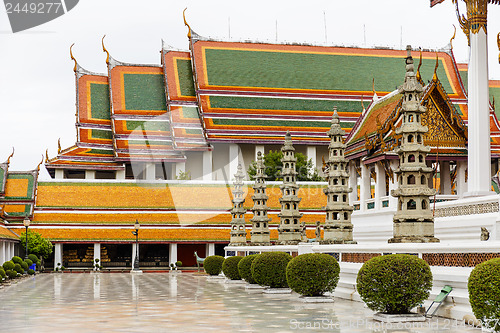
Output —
(179, 302)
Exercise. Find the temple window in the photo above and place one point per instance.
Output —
(344, 198)
(411, 205)
(334, 153)
(411, 158)
(335, 216)
(411, 180)
(422, 180)
(420, 158)
(424, 204)
(410, 118)
(257, 224)
(343, 181)
(346, 216)
(418, 117)
(335, 181)
(419, 138)
(335, 198)
(409, 97)
(410, 138)
(287, 206)
(287, 221)
(294, 206)
(294, 221)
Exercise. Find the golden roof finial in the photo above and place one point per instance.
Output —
(362, 104)
(73, 58)
(185, 23)
(104, 49)
(373, 86)
(435, 77)
(419, 77)
(38, 167)
(498, 42)
(46, 155)
(452, 38)
(59, 146)
(10, 156)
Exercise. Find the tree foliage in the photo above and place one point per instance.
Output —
(273, 165)
(37, 245)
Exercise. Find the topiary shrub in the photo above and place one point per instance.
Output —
(17, 260)
(269, 269)
(213, 265)
(31, 271)
(230, 267)
(11, 274)
(394, 283)
(33, 258)
(8, 265)
(245, 268)
(24, 266)
(484, 293)
(28, 262)
(178, 263)
(18, 268)
(312, 274)
(2, 274)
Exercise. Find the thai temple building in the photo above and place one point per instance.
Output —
(160, 144)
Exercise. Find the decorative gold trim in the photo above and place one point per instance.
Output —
(39, 164)
(362, 104)
(46, 155)
(419, 77)
(373, 86)
(434, 76)
(104, 50)
(498, 42)
(10, 156)
(464, 23)
(477, 15)
(452, 38)
(185, 23)
(73, 58)
(59, 146)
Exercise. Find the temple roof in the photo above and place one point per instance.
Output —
(18, 200)
(6, 233)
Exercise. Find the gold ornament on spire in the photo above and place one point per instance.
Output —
(46, 155)
(39, 164)
(464, 23)
(362, 104)
(10, 156)
(419, 77)
(59, 146)
(373, 86)
(453, 37)
(435, 77)
(104, 50)
(185, 23)
(73, 58)
(498, 42)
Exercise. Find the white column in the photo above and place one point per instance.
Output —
(353, 182)
(120, 174)
(135, 249)
(207, 165)
(365, 187)
(210, 249)
(89, 174)
(150, 171)
(172, 253)
(461, 184)
(3, 255)
(59, 174)
(58, 254)
(379, 184)
(257, 149)
(479, 154)
(97, 253)
(393, 201)
(234, 151)
(10, 251)
(444, 177)
(311, 155)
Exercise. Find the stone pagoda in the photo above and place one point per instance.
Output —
(260, 221)
(289, 229)
(238, 232)
(338, 226)
(413, 221)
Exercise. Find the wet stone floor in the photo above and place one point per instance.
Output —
(178, 302)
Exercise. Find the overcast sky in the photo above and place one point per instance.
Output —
(37, 83)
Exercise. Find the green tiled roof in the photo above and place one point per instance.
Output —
(99, 101)
(102, 134)
(186, 81)
(495, 93)
(148, 125)
(281, 123)
(28, 191)
(144, 92)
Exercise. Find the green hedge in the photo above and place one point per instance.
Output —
(313, 274)
(33, 258)
(11, 274)
(31, 271)
(394, 283)
(2, 273)
(178, 263)
(28, 261)
(484, 293)
(213, 265)
(17, 260)
(8, 265)
(18, 268)
(245, 268)
(230, 268)
(269, 269)
(24, 266)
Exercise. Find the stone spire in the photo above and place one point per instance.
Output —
(289, 228)
(260, 221)
(338, 226)
(413, 221)
(238, 233)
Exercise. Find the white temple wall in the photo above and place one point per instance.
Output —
(194, 164)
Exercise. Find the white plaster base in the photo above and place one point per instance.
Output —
(398, 318)
(229, 281)
(135, 272)
(277, 290)
(316, 299)
(216, 277)
(254, 287)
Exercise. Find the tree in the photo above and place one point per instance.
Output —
(37, 245)
(272, 162)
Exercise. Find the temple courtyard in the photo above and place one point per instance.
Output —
(180, 302)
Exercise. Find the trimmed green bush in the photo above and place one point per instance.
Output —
(11, 274)
(33, 257)
(178, 263)
(18, 268)
(313, 274)
(31, 271)
(2, 273)
(269, 269)
(24, 266)
(213, 265)
(230, 267)
(28, 261)
(484, 293)
(8, 265)
(17, 260)
(394, 283)
(245, 268)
